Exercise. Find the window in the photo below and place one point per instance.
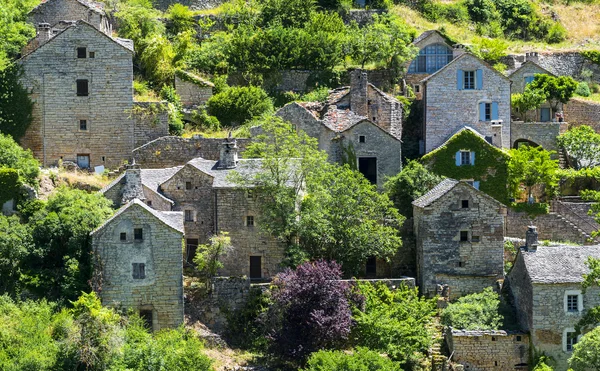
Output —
(82, 88)
(139, 271)
(191, 245)
(416, 88)
(362, 139)
(488, 111)
(188, 185)
(138, 234)
(461, 264)
(83, 161)
(573, 301)
(474, 238)
(469, 80)
(465, 158)
(250, 193)
(249, 221)
(123, 236)
(92, 54)
(464, 236)
(528, 79)
(83, 125)
(464, 204)
(570, 338)
(189, 215)
(431, 58)
(81, 52)
(518, 337)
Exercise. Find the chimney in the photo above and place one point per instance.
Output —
(531, 239)
(133, 184)
(358, 93)
(228, 157)
(458, 50)
(497, 133)
(44, 33)
(532, 56)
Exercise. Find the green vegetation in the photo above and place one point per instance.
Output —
(237, 105)
(582, 144)
(529, 166)
(586, 352)
(477, 311)
(530, 100)
(14, 157)
(15, 104)
(556, 89)
(362, 359)
(14, 30)
(207, 256)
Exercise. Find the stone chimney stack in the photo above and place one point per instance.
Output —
(458, 50)
(358, 93)
(497, 133)
(228, 158)
(531, 239)
(44, 33)
(133, 184)
(533, 57)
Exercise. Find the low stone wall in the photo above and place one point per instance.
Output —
(172, 151)
(582, 112)
(542, 133)
(488, 350)
(550, 226)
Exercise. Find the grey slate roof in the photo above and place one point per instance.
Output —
(558, 264)
(438, 191)
(247, 168)
(512, 72)
(339, 120)
(93, 6)
(151, 178)
(173, 219)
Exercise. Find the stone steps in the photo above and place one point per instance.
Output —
(586, 236)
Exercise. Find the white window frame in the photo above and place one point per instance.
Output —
(474, 80)
(579, 302)
(253, 221)
(564, 339)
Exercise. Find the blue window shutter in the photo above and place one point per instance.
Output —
(494, 110)
(472, 158)
(479, 79)
(481, 111)
(459, 79)
(458, 158)
(476, 184)
(529, 79)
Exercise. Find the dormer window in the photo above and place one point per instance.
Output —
(81, 52)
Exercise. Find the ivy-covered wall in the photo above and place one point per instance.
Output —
(490, 166)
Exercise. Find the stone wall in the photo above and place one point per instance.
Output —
(54, 11)
(172, 151)
(150, 121)
(550, 226)
(582, 112)
(488, 350)
(566, 63)
(160, 250)
(192, 94)
(542, 133)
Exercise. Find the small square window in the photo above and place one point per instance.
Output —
(139, 271)
(572, 303)
(149, 203)
(518, 337)
(92, 54)
(493, 338)
(82, 88)
(123, 236)
(460, 264)
(188, 185)
(189, 215)
(103, 158)
(83, 125)
(464, 236)
(362, 139)
(250, 221)
(417, 88)
(138, 234)
(81, 52)
(474, 238)
(464, 204)
(250, 193)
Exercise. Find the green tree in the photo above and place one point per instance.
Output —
(477, 311)
(288, 13)
(530, 99)
(15, 157)
(207, 256)
(14, 29)
(16, 244)
(10, 184)
(361, 359)
(586, 353)
(237, 105)
(174, 109)
(582, 144)
(557, 89)
(411, 183)
(529, 166)
(15, 104)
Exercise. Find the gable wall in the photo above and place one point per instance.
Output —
(415, 78)
(385, 113)
(54, 11)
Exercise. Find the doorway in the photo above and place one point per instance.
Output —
(368, 167)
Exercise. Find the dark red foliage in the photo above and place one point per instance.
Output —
(310, 310)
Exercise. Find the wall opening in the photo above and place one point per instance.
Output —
(368, 167)
(255, 267)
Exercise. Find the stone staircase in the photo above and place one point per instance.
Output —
(563, 159)
(438, 359)
(575, 214)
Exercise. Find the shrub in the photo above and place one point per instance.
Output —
(557, 33)
(9, 184)
(174, 108)
(208, 257)
(393, 322)
(583, 89)
(237, 105)
(477, 311)
(246, 325)
(310, 310)
(361, 359)
(204, 121)
(538, 208)
(15, 105)
(15, 157)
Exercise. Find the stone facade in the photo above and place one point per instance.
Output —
(518, 79)
(455, 96)
(52, 12)
(83, 102)
(139, 253)
(541, 281)
(539, 133)
(582, 112)
(460, 239)
(551, 227)
(488, 350)
(170, 151)
(193, 90)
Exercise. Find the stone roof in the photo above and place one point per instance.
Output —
(424, 35)
(512, 72)
(151, 178)
(172, 219)
(465, 55)
(93, 6)
(434, 194)
(558, 264)
(341, 119)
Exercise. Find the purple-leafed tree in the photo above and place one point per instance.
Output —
(310, 310)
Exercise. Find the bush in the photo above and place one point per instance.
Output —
(9, 184)
(557, 33)
(538, 208)
(174, 109)
(583, 89)
(361, 359)
(237, 105)
(246, 325)
(15, 157)
(15, 105)
(477, 311)
(204, 121)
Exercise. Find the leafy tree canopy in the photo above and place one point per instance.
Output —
(529, 166)
(477, 311)
(14, 156)
(15, 104)
(582, 143)
(237, 105)
(530, 99)
(586, 353)
(14, 29)
(557, 89)
(361, 359)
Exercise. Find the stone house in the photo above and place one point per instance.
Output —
(139, 262)
(361, 120)
(81, 83)
(211, 203)
(54, 12)
(193, 90)
(460, 239)
(470, 157)
(466, 92)
(545, 282)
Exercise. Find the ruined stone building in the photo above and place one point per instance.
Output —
(211, 203)
(466, 92)
(546, 285)
(81, 83)
(460, 239)
(193, 90)
(361, 120)
(58, 14)
(139, 262)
